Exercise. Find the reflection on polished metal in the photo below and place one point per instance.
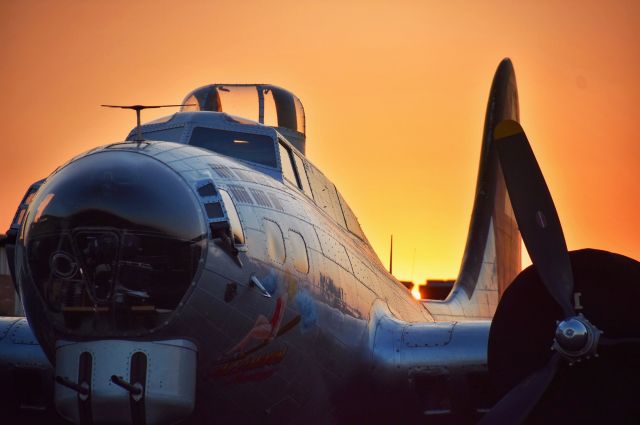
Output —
(576, 339)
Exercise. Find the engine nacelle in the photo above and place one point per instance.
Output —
(598, 389)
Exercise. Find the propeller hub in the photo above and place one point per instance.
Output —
(576, 338)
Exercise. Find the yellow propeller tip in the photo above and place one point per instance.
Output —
(507, 128)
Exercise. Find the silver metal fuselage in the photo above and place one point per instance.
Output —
(300, 372)
(342, 300)
(167, 282)
(276, 341)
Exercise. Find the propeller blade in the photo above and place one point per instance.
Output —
(516, 405)
(535, 213)
(612, 342)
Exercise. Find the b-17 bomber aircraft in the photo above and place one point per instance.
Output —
(204, 271)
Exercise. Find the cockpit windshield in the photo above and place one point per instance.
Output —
(256, 148)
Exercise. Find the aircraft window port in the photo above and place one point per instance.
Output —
(351, 219)
(266, 104)
(22, 209)
(302, 174)
(193, 104)
(29, 197)
(298, 252)
(214, 210)
(257, 148)
(288, 171)
(270, 114)
(207, 190)
(20, 217)
(173, 134)
(275, 241)
(325, 195)
(26, 201)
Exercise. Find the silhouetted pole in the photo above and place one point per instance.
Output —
(391, 257)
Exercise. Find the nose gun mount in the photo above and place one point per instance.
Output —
(119, 384)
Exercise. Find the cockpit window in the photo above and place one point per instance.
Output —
(351, 219)
(287, 166)
(256, 148)
(302, 173)
(325, 194)
(173, 134)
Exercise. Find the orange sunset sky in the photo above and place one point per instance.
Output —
(394, 91)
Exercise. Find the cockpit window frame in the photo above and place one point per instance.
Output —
(298, 164)
(283, 146)
(300, 167)
(272, 165)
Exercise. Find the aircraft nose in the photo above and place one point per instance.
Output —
(121, 189)
(113, 241)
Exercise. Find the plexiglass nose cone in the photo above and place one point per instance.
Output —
(112, 242)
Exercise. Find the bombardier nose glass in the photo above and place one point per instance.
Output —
(113, 242)
(98, 255)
